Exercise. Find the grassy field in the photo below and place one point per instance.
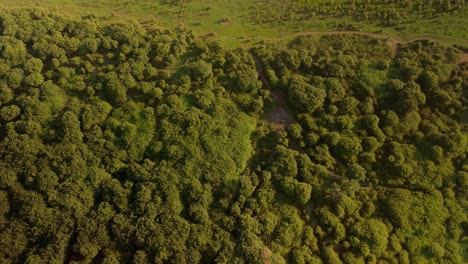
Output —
(231, 21)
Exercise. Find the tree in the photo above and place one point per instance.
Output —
(348, 148)
(409, 98)
(335, 90)
(331, 256)
(33, 65)
(200, 70)
(71, 131)
(348, 105)
(15, 78)
(34, 79)
(8, 113)
(356, 172)
(6, 94)
(12, 50)
(304, 191)
(305, 96)
(140, 257)
(373, 234)
(115, 90)
(428, 81)
(5, 205)
(295, 131)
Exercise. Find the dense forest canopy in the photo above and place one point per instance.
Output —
(124, 144)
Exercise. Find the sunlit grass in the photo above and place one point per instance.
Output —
(228, 21)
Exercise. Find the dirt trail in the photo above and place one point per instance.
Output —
(279, 114)
(308, 33)
(391, 41)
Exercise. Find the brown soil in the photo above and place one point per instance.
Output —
(279, 114)
(463, 58)
(266, 255)
(119, 13)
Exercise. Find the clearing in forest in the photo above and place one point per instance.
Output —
(279, 113)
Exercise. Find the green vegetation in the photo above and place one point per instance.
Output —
(128, 144)
(244, 22)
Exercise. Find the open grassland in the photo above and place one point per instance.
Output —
(240, 23)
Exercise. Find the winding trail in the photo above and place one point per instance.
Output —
(391, 41)
(308, 33)
(354, 32)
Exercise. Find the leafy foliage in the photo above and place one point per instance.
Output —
(123, 144)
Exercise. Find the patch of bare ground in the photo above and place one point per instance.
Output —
(119, 13)
(279, 115)
(266, 255)
(463, 58)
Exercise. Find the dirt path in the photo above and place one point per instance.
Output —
(308, 33)
(279, 114)
(391, 41)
